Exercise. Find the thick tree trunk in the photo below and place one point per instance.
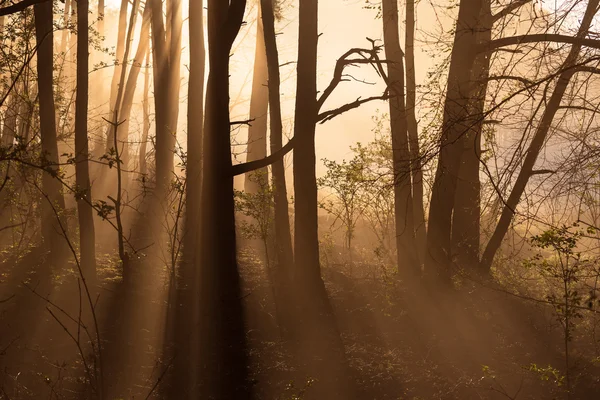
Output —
(455, 126)
(413, 135)
(467, 208)
(51, 232)
(223, 368)
(259, 104)
(407, 260)
(87, 236)
(320, 347)
(538, 140)
(306, 238)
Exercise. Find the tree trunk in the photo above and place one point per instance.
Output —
(146, 114)
(455, 126)
(538, 140)
(413, 135)
(87, 236)
(195, 128)
(283, 237)
(320, 347)
(407, 259)
(128, 95)
(223, 368)
(119, 64)
(51, 232)
(306, 238)
(166, 89)
(259, 104)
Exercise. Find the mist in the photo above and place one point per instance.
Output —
(299, 199)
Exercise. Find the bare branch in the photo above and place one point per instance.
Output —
(15, 8)
(535, 38)
(329, 115)
(509, 9)
(243, 168)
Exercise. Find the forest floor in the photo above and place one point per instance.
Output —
(475, 343)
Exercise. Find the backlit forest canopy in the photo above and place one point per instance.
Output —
(299, 199)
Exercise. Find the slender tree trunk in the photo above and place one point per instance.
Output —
(223, 369)
(281, 278)
(467, 207)
(174, 43)
(146, 114)
(10, 120)
(413, 134)
(195, 127)
(100, 17)
(65, 32)
(120, 61)
(185, 289)
(259, 104)
(455, 126)
(130, 87)
(403, 205)
(538, 140)
(282, 220)
(166, 90)
(51, 233)
(87, 236)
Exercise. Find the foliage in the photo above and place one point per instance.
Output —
(258, 207)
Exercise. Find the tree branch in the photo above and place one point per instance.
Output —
(243, 168)
(331, 114)
(535, 38)
(20, 6)
(509, 9)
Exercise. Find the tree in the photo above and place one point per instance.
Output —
(49, 147)
(455, 125)
(166, 46)
(259, 104)
(87, 236)
(195, 128)
(407, 259)
(282, 220)
(567, 71)
(413, 134)
(347, 181)
(223, 337)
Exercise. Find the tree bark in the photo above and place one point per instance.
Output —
(455, 126)
(538, 140)
(322, 350)
(130, 87)
(223, 369)
(87, 236)
(467, 208)
(407, 259)
(166, 88)
(51, 232)
(282, 220)
(281, 277)
(259, 104)
(119, 64)
(146, 114)
(413, 135)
